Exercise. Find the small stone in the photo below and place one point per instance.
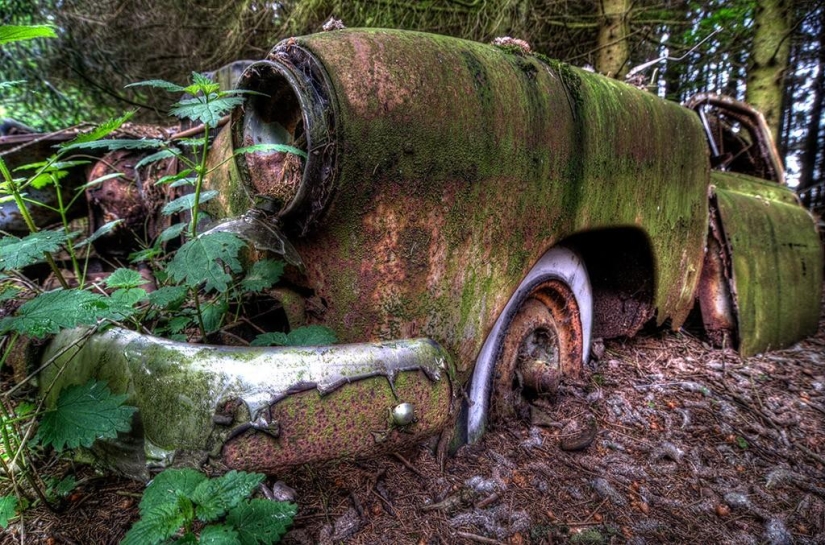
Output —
(282, 492)
(722, 510)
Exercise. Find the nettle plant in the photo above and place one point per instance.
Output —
(200, 286)
(184, 498)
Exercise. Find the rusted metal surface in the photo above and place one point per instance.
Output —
(714, 292)
(132, 197)
(776, 261)
(543, 342)
(457, 165)
(297, 110)
(739, 137)
(355, 421)
(273, 407)
(559, 264)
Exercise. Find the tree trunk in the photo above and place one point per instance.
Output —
(614, 50)
(811, 149)
(769, 60)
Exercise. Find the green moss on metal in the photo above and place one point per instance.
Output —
(496, 157)
(777, 262)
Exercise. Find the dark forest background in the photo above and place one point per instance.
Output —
(767, 52)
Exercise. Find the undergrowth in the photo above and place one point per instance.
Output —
(199, 287)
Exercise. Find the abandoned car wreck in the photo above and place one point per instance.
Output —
(468, 220)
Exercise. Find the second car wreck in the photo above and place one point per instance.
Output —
(470, 218)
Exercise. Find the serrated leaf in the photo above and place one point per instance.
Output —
(145, 254)
(8, 509)
(42, 180)
(217, 496)
(261, 522)
(258, 148)
(173, 231)
(311, 335)
(274, 338)
(187, 202)
(16, 253)
(208, 113)
(169, 178)
(101, 231)
(219, 535)
(179, 323)
(99, 180)
(125, 278)
(168, 485)
(168, 296)
(155, 526)
(193, 142)
(184, 181)
(202, 84)
(213, 313)
(117, 144)
(52, 311)
(66, 485)
(157, 156)
(9, 292)
(204, 259)
(14, 33)
(54, 166)
(84, 414)
(159, 84)
(123, 302)
(263, 275)
(104, 129)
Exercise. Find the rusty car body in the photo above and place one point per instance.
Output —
(473, 216)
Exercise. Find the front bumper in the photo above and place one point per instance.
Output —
(257, 409)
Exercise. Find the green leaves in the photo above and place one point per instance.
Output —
(310, 335)
(52, 311)
(260, 522)
(8, 509)
(101, 131)
(216, 497)
(12, 33)
(155, 526)
(204, 260)
(168, 485)
(159, 84)
(177, 496)
(117, 144)
(203, 110)
(262, 275)
(187, 202)
(16, 253)
(283, 148)
(125, 278)
(82, 415)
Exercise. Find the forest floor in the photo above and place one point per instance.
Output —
(693, 444)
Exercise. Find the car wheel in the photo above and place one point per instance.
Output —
(542, 334)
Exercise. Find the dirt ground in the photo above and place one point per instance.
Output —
(692, 445)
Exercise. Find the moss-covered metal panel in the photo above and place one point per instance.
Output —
(776, 260)
(260, 409)
(460, 164)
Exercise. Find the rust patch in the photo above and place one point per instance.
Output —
(133, 198)
(714, 292)
(353, 421)
(542, 344)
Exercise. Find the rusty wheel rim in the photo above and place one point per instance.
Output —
(542, 344)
